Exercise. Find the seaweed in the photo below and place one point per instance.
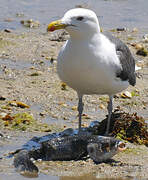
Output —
(125, 126)
(24, 121)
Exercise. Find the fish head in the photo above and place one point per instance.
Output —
(104, 148)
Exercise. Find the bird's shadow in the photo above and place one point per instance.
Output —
(111, 162)
(115, 163)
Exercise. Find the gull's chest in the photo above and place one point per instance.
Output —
(79, 57)
(85, 68)
(82, 58)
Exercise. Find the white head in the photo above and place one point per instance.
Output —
(78, 22)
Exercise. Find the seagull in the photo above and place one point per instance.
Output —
(92, 62)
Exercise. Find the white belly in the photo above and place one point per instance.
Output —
(88, 74)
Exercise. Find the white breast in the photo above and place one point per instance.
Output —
(90, 68)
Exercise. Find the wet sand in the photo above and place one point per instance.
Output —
(29, 75)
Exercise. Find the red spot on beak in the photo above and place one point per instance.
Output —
(52, 28)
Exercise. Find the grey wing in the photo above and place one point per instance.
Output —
(126, 59)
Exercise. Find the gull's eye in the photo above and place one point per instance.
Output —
(80, 18)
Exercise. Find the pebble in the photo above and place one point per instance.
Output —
(37, 73)
(3, 114)
(137, 68)
(32, 159)
(74, 108)
(64, 105)
(135, 30)
(42, 113)
(18, 104)
(101, 106)
(138, 46)
(63, 86)
(84, 5)
(8, 137)
(145, 38)
(142, 52)
(19, 14)
(126, 94)
(122, 29)
(1, 135)
(2, 98)
(8, 30)
(39, 160)
(30, 23)
(86, 116)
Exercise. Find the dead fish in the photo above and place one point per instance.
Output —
(101, 148)
(72, 147)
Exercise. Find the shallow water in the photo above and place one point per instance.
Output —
(20, 65)
(111, 13)
(45, 177)
(15, 141)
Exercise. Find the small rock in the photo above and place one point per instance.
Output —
(1, 135)
(137, 68)
(3, 114)
(126, 94)
(8, 137)
(63, 86)
(86, 116)
(116, 96)
(145, 38)
(135, 30)
(142, 52)
(8, 30)
(101, 106)
(39, 160)
(74, 108)
(19, 14)
(139, 46)
(42, 113)
(63, 104)
(30, 23)
(84, 125)
(51, 60)
(18, 104)
(2, 98)
(122, 29)
(32, 67)
(7, 118)
(32, 159)
(84, 5)
(38, 73)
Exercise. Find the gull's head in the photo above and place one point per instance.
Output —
(78, 22)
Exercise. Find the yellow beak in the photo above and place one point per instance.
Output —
(55, 25)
